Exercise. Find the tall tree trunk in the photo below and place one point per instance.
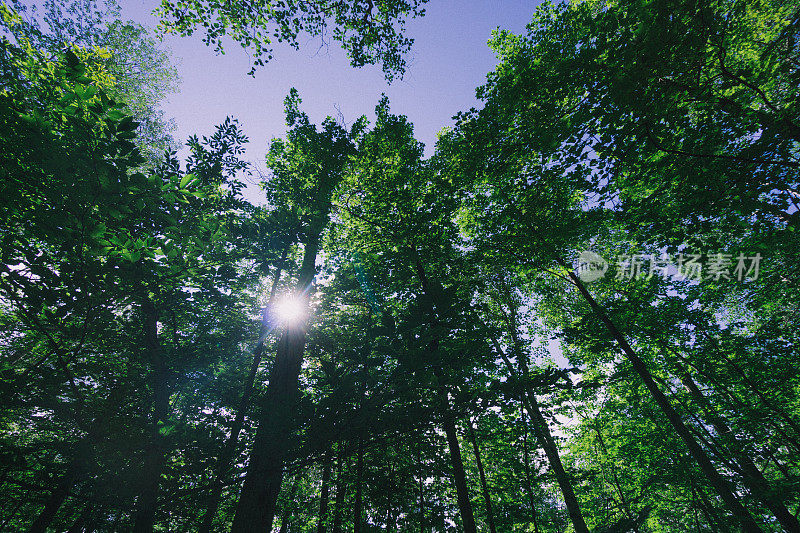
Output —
(753, 477)
(526, 463)
(545, 439)
(323, 497)
(357, 507)
(457, 463)
(548, 444)
(719, 483)
(623, 500)
(421, 486)
(155, 454)
(390, 525)
(226, 456)
(448, 421)
(484, 486)
(255, 510)
(340, 488)
(56, 499)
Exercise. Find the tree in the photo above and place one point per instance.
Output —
(142, 71)
(307, 169)
(417, 305)
(370, 31)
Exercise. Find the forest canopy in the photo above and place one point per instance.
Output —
(577, 312)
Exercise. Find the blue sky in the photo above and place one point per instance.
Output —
(449, 60)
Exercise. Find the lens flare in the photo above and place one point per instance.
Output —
(289, 310)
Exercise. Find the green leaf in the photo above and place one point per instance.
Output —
(98, 231)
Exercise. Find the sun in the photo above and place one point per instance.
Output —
(289, 310)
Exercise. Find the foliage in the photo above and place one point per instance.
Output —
(371, 31)
(455, 371)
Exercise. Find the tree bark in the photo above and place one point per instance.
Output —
(155, 454)
(753, 477)
(457, 463)
(542, 431)
(526, 462)
(390, 525)
(484, 486)
(357, 507)
(545, 439)
(323, 497)
(255, 510)
(448, 421)
(340, 488)
(226, 457)
(390, 519)
(623, 500)
(56, 499)
(421, 486)
(719, 483)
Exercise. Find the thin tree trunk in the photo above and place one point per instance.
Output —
(323, 497)
(548, 444)
(545, 439)
(155, 454)
(457, 463)
(751, 385)
(56, 499)
(719, 483)
(448, 422)
(421, 486)
(390, 525)
(737, 403)
(357, 508)
(340, 488)
(358, 511)
(753, 477)
(622, 499)
(226, 457)
(770, 452)
(526, 463)
(484, 486)
(541, 428)
(255, 510)
(708, 510)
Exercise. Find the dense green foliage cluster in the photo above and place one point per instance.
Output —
(400, 343)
